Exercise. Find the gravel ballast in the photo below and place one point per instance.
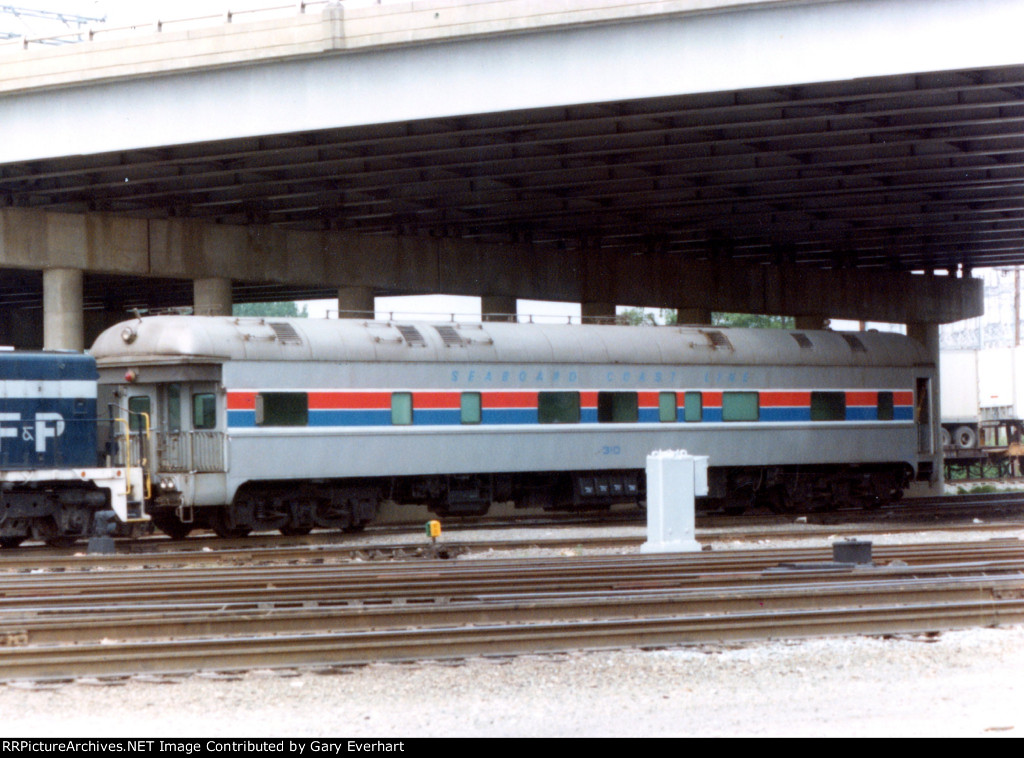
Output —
(959, 684)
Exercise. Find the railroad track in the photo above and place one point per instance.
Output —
(117, 623)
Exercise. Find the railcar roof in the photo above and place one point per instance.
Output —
(213, 339)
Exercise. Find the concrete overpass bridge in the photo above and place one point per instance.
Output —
(815, 158)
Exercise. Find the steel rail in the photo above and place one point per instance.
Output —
(439, 577)
(329, 649)
(80, 626)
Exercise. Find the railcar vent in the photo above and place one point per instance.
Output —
(854, 342)
(286, 333)
(450, 336)
(411, 335)
(802, 340)
(718, 340)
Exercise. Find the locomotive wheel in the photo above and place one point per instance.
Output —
(11, 541)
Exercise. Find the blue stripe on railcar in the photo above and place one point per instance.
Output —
(360, 417)
(782, 413)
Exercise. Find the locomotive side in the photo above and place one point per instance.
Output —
(52, 481)
(293, 424)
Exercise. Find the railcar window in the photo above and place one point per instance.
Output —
(469, 408)
(885, 406)
(138, 405)
(667, 410)
(558, 407)
(828, 406)
(174, 407)
(740, 406)
(282, 409)
(693, 409)
(204, 411)
(401, 408)
(617, 408)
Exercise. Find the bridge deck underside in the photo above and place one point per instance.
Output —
(902, 173)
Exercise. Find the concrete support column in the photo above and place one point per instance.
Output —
(928, 336)
(356, 302)
(693, 316)
(62, 309)
(212, 297)
(498, 308)
(597, 313)
(810, 323)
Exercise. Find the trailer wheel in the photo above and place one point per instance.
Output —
(947, 438)
(966, 438)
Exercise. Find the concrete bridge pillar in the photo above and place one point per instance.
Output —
(356, 302)
(498, 308)
(63, 321)
(693, 316)
(212, 297)
(928, 336)
(597, 313)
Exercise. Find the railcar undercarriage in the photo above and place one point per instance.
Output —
(295, 508)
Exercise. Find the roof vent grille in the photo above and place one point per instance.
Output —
(718, 340)
(411, 335)
(286, 333)
(802, 340)
(450, 336)
(854, 342)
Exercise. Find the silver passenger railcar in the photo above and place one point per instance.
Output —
(290, 424)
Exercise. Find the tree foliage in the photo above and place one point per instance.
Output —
(752, 320)
(271, 310)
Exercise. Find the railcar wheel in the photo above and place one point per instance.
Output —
(11, 541)
(171, 525)
(64, 541)
(224, 526)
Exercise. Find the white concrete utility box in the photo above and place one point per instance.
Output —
(674, 479)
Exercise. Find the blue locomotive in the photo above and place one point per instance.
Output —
(292, 424)
(52, 480)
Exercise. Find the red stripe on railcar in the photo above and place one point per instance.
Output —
(785, 399)
(499, 400)
(242, 401)
(861, 399)
(349, 401)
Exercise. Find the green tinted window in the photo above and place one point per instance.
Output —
(204, 411)
(740, 406)
(885, 406)
(828, 406)
(667, 410)
(174, 407)
(617, 407)
(401, 408)
(137, 406)
(469, 407)
(558, 407)
(694, 406)
(282, 409)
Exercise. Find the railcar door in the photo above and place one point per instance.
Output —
(191, 440)
(140, 404)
